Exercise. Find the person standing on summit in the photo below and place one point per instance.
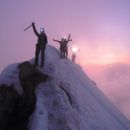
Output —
(66, 41)
(40, 46)
(64, 46)
(61, 46)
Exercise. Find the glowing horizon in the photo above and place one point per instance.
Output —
(100, 29)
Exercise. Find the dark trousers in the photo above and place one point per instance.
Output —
(64, 53)
(40, 48)
(73, 57)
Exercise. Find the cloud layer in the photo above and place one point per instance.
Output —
(114, 81)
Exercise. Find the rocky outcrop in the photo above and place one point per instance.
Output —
(16, 109)
(30, 78)
(8, 102)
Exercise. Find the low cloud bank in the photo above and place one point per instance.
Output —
(114, 81)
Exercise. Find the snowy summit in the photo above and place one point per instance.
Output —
(60, 96)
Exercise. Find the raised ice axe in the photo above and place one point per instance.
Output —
(27, 27)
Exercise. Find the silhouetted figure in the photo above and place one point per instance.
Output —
(73, 57)
(74, 52)
(40, 46)
(66, 41)
(61, 46)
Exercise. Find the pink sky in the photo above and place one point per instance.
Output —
(100, 28)
(114, 81)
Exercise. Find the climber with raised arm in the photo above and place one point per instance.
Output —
(61, 46)
(66, 46)
(40, 46)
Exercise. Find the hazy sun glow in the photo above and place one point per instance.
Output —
(108, 58)
(99, 28)
(103, 53)
(75, 49)
(103, 59)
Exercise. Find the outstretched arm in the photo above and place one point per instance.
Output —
(56, 40)
(34, 29)
(69, 38)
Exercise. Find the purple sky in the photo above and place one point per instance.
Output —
(100, 28)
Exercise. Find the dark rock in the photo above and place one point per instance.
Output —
(30, 77)
(8, 102)
(15, 109)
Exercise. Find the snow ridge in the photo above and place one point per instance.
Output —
(69, 100)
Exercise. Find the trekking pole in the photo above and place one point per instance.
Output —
(27, 27)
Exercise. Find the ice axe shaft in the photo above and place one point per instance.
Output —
(27, 27)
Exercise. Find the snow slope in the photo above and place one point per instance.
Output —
(68, 100)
